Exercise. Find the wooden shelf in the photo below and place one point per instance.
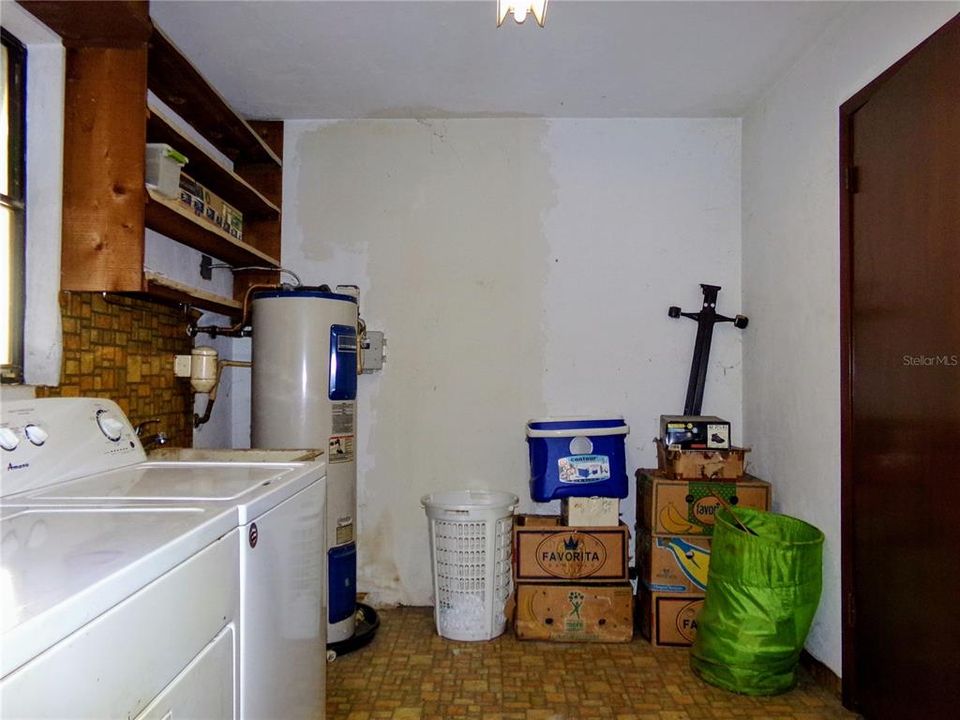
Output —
(173, 219)
(207, 171)
(114, 57)
(175, 81)
(162, 287)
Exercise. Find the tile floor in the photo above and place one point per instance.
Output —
(409, 673)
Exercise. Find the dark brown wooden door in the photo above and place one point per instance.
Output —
(902, 400)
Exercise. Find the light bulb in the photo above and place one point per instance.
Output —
(520, 9)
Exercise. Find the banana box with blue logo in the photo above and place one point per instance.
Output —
(670, 589)
(673, 564)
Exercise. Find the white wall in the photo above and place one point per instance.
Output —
(791, 261)
(42, 342)
(520, 268)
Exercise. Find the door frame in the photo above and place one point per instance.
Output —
(847, 187)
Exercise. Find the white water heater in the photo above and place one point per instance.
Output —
(305, 396)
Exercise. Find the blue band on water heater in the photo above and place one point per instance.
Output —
(342, 578)
(343, 362)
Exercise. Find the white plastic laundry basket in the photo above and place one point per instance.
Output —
(470, 547)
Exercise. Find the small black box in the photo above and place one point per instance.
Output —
(695, 432)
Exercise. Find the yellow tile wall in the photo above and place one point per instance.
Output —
(122, 348)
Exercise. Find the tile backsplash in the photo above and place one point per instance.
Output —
(122, 348)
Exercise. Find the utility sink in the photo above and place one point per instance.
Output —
(177, 454)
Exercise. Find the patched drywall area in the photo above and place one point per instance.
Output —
(646, 211)
(791, 259)
(519, 268)
(440, 223)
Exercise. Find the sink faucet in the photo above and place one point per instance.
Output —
(150, 441)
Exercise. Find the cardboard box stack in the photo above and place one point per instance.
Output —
(676, 509)
(572, 572)
(572, 581)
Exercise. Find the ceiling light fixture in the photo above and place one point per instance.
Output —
(520, 8)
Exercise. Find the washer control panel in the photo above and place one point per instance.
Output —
(50, 440)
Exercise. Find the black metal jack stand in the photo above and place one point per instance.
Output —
(706, 319)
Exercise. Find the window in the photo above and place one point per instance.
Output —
(12, 206)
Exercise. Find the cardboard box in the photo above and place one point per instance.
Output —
(590, 511)
(214, 205)
(694, 431)
(191, 186)
(668, 619)
(233, 221)
(549, 552)
(701, 464)
(191, 194)
(574, 613)
(210, 206)
(673, 564)
(192, 201)
(688, 507)
(537, 521)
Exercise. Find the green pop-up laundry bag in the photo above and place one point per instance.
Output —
(762, 593)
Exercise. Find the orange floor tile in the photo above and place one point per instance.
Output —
(409, 673)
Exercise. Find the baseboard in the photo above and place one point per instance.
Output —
(822, 675)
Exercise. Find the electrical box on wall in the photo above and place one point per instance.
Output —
(181, 366)
(374, 351)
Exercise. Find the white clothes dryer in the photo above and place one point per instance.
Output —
(271, 516)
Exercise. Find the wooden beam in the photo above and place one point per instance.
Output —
(103, 23)
(103, 169)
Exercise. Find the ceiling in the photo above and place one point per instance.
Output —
(428, 59)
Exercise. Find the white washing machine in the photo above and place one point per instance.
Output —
(268, 516)
(118, 614)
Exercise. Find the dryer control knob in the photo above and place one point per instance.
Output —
(109, 425)
(8, 439)
(36, 434)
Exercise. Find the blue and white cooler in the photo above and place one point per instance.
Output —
(577, 457)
